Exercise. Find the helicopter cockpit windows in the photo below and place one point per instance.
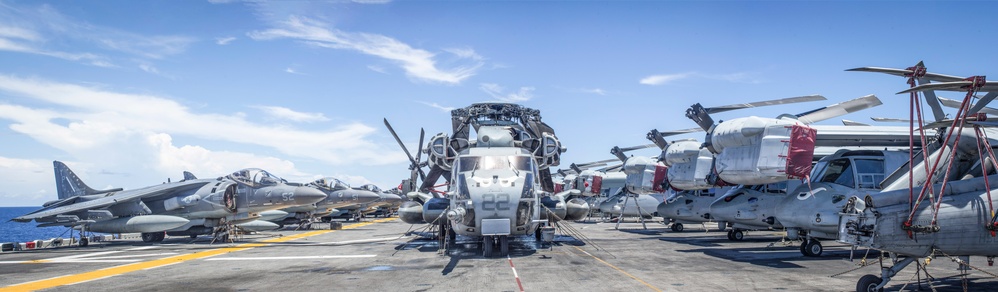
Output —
(870, 173)
(519, 163)
(839, 171)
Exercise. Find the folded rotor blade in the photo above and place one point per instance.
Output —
(953, 86)
(891, 120)
(853, 123)
(956, 104)
(415, 163)
(724, 108)
(839, 109)
(659, 137)
(906, 73)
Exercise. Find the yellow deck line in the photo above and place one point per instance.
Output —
(653, 288)
(122, 269)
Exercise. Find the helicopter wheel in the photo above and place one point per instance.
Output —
(868, 283)
(677, 227)
(503, 245)
(803, 248)
(732, 238)
(487, 245)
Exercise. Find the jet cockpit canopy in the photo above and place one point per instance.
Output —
(371, 188)
(256, 177)
(331, 183)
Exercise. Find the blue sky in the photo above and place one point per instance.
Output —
(130, 93)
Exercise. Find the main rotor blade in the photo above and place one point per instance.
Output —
(419, 155)
(906, 73)
(659, 137)
(415, 163)
(952, 103)
(839, 109)
(853, 123)
(890, 120)
(724, 108)
(594, 163)
(953, 86)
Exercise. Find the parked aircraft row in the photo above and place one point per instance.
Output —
(913, 191)
(249, 199)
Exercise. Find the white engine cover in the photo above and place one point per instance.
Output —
(753, 150)
(689, 165)
(644, 175)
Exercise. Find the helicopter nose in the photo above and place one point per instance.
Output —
(307, 195)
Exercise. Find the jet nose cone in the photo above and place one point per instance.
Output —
(307, 195)
(367, 197)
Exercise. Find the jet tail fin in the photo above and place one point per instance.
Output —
(69, 185)
(189, 176)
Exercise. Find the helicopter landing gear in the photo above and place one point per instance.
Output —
(503, 245)
(677, 227)
(488, 244)
(869, 283)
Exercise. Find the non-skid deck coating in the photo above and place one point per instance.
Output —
(376, 256)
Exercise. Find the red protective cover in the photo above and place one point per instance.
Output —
(559, 187)
(801, 151)
(597, 184)
(660, 176)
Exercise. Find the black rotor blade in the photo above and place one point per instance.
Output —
(419, 154)
(415, 163)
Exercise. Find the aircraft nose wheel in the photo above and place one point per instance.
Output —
(869, 283)
(677, 227)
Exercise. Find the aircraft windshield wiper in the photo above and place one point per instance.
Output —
(510, 162)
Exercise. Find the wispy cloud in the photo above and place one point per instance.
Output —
(663, 79)
(102, 121)
(498, 92)
(149, 68)
(284, 113)
(224, 41)
(42, 30)
(418, 64)
(378, 69)
(740, 77)
(438, 106)
(598, 91)
(293, 71)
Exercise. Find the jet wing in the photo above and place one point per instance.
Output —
(112, 199)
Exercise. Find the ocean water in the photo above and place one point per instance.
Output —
(11, 231)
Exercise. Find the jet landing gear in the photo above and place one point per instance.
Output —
(871, 283)
(153, 236)
(677, 227)
(489, 243)
(811, 247)
(736, 235)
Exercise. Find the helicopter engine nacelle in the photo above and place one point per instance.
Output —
(411, 212)
(589, 183)
(756, 150)
(644, 175)
(689, 165)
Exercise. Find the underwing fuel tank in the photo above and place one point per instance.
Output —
(138, 224)
(411, 212)
(257, 225)
(434, 209)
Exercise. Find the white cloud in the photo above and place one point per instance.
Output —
(224, 41)
(598, 91)
(42, 30)
(438, 106)
(284, 113)
(418, 64)
(740, 77)
(148, 68)
(378, 69)
(98, 119)
(497, 92)
(663, 79)
(293, 71)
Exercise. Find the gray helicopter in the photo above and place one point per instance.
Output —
(940, 204)
(499, 183)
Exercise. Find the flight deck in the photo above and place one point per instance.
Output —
(377, 255)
